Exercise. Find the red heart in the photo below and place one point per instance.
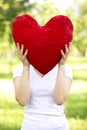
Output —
(43, 42)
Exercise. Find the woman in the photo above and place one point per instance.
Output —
(43, 95)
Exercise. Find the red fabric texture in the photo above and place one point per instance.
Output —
(43, 42)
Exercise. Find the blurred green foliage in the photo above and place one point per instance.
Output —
(80, 35)
(11, 114)
(9, 9)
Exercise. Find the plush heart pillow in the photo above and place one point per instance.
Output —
(43, 42)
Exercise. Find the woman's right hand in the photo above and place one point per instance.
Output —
(22, 55)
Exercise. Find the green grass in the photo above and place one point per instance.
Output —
(76, 105)
(80, 74)
(76, 109)
(73, 61)
(11, 114)
(77, 124)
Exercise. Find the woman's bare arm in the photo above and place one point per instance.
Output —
(21, 84)
(63, 83)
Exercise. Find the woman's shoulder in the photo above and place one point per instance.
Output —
(68, 71)
(68, 67)
(19, 67)
(17, 70)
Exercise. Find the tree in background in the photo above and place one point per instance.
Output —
(44, 11)
(9, 10)
(79, 18)
(81, 28)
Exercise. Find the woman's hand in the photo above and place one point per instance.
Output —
(65, 55)
(22, 54)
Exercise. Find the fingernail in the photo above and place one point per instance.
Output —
(17, 43)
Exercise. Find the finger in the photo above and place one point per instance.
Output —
(66, 49)
(18, 46)
(63, 55)
(26, 52)
(22, 49)
(70, 45)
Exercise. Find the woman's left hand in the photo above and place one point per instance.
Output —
(65, 55)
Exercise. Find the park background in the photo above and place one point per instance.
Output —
(11, 114)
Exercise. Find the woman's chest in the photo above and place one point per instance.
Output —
(42, 86)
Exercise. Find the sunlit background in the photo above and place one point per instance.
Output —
(11, 114)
